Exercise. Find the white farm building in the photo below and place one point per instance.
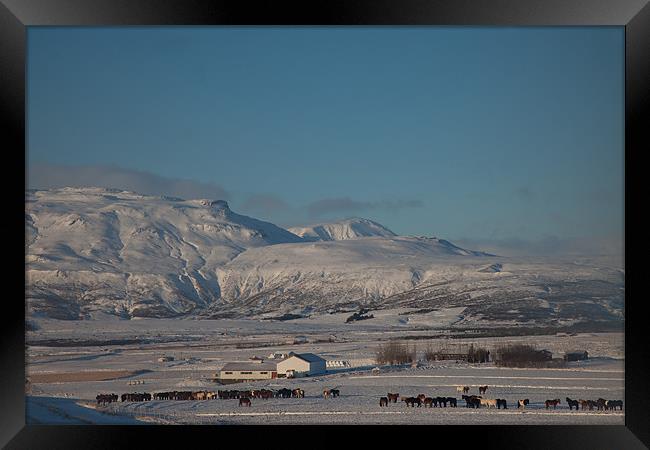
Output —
(298, 364)
(247, 371)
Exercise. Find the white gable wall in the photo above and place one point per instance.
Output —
(301, 366)
(293, 363)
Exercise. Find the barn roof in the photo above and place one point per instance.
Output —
(309, 357)
(249, 366)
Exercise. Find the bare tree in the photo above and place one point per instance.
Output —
(394, 353)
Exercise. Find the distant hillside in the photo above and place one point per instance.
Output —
(353, 228)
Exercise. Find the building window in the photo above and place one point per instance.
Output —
(246, 373)
(228, 373)
(264, 373)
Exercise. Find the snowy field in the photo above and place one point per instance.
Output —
(84, 358)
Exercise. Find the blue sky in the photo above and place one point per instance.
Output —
(475, 134)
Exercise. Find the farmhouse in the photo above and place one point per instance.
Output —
(247, 371)
(301, 364)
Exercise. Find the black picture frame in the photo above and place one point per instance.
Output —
(16, 15)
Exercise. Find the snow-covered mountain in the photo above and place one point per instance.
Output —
(92, 251)
(132, 254)
(353, 228)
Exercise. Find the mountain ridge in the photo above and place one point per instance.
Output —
(96, 251)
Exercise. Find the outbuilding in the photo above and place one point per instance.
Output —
(301, 364)
(576, 356)
(247, 371)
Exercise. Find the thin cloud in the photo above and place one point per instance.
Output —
(525, 193)
(548, 246)
(265, 203)
(51, 176)
(348, 205)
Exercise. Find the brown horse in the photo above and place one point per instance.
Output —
(266, 393)
(326, 393)
(584, 404)
(393, 397)
(411, 401)
(428, 401)
(298, 393)
(244, 401)
(383, 401)
(482, 389)
(552, 403)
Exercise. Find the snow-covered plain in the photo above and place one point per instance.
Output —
(216, 342)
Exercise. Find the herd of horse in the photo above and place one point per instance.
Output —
(601, 404)
(106, 398)
(422, 400)
(471, 401)
(207, 395)
(477, 401)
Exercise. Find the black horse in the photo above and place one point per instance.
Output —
(502, 402)
(452, 401)
(472, 401)
(612, 404)
(572, 403)
(284, 393)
